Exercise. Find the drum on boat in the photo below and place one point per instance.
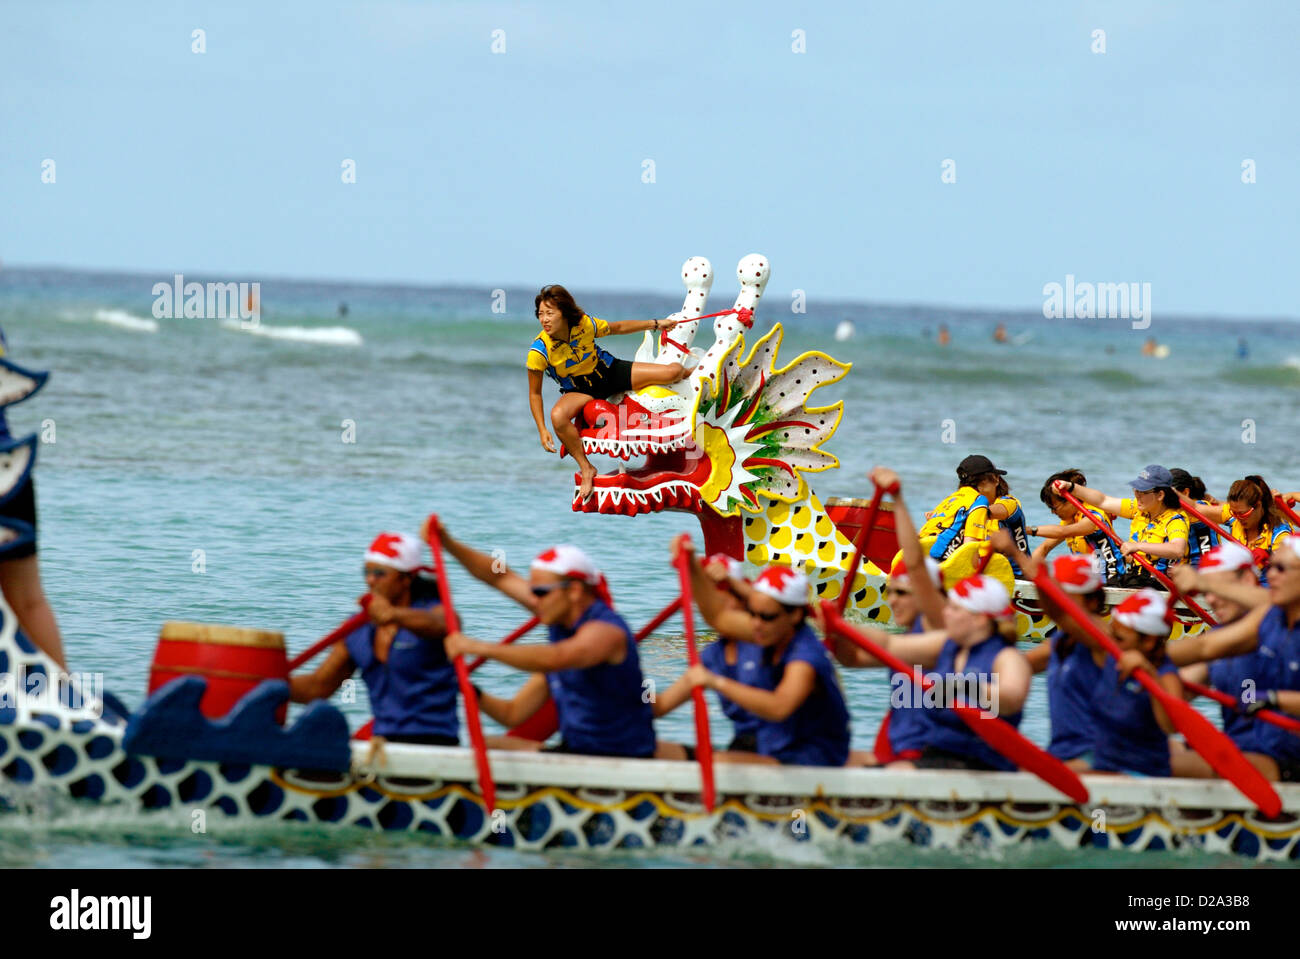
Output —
(233, 660)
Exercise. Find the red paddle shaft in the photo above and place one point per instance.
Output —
(521, 631)
(703, 740)
(1191, 508)
(1161, 577)
(355, 621)
(998, 733)
(1264, 715)
(1290, 513)
(864, 537)
(486, 785)
(541, 725)
(1219, 751)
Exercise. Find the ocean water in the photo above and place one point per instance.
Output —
(199, 471)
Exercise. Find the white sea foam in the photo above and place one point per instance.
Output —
(328, 335)
(1293, 362)
(125, 320)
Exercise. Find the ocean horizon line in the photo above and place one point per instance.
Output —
(412, 286)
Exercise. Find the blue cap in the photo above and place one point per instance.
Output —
(1152, 477)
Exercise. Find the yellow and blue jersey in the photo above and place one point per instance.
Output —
(577, 356)
(1171, 524)
(1200, 537)
(962, 517)
(1113, 564)
(1267, 538)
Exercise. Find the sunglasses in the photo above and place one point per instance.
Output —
(540, 591)
(377, 571)
(1243, 513)
(765, 617)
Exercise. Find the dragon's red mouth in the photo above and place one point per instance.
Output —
(673, 471)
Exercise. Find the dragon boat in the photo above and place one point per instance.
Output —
(730, 444)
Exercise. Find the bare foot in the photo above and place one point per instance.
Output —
(588, 484)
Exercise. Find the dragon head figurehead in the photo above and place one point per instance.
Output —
(731, 442)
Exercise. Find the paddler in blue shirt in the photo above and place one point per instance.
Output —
(719, 587)
(1230, 565)
(20, 573)
(1273, 630)
(805, 718)
(969, 661)
(589, 667)
(915, 603)
(412, 683)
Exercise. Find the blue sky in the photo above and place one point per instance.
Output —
(524, 168)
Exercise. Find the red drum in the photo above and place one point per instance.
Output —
(234, 661)
(850, 514)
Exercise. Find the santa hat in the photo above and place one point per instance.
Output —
(783, 584)
(735, 568)
(572, 563)
(1226, 558)
(982, 594)
(1147, 611)
(398, 551)
(898, 570)
(1077, 574)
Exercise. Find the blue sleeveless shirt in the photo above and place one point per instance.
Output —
(1015, 525)
(1071, 682)
(946, 730)
(1229, 676)
(602, 709)
(817, 733)
(907, 726)
(748, 669)
(1279, 657)
(415, 692)
(1128, 737)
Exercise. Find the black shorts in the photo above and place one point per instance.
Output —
(932, 758)
(605, 381)
(1288, 770)
(744, 743)
(21, 507)
(425, 740)
(563, 748)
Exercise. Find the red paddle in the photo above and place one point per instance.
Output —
(541, 725)
(486, 785)
(1161, 577)
(1290, 514)
(1223, 533)
(355, 621)
(703, 742)
(521, 631)
(1217, 749)
(998, 733)
(864, 537)
(1264, 715)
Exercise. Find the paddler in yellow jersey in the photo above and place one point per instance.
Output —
(566, 351)
(1158, 527)
(1078, 529)
(963, 516)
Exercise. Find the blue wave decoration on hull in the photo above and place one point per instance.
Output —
(169, 725)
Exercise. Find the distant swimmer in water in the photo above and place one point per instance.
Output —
(1000, 333)
(944, 336)
(1242, 350)
(343, 310)
(566, 351)
(1151, 347)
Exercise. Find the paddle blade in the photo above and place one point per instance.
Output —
(1223, 755)
(1008, 741)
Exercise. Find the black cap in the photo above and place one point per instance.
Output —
(975, 464)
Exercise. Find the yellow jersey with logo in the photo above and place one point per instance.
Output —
(1171, 524)
(577, 356)
(962, 517)
(1267, 538)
